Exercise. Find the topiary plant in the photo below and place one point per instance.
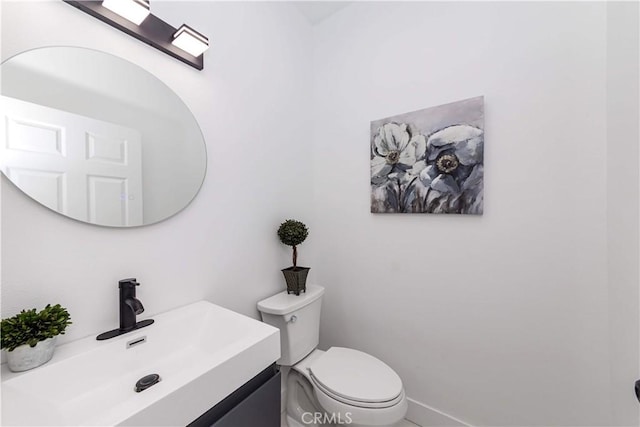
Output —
(292, 233)
(29, 327)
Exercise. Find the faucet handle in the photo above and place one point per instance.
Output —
(128, 282)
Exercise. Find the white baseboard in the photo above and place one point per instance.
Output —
(426, 416)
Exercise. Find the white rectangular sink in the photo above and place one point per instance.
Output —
(202, 353)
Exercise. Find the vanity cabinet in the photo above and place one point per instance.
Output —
(256, 403)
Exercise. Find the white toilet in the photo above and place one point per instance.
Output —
(339, 386)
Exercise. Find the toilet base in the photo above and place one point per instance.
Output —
(293, 423)
(304, 409)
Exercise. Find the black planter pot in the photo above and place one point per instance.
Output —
(296, 278)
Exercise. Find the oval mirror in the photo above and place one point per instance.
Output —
(97, 138)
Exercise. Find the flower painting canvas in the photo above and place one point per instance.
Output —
(429, 161)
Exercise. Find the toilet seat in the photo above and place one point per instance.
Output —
(370, 405)
(356, 378)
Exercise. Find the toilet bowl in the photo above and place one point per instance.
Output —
(354, 387)
(340, 386)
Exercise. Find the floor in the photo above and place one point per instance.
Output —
(403, 423)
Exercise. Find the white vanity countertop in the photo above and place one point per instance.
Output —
(202, 352)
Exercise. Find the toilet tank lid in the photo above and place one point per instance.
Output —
(284, 303)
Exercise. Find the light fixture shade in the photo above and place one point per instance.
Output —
(133, 10)
(189, 40)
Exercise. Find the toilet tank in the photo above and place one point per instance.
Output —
(298, 318)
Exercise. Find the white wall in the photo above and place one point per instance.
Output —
(623, 136)
(251, 102)
(498, 320)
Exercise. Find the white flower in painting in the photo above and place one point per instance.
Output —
(453, 160)
(395, 149)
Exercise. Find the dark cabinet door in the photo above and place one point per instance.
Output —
(254, 404)
(261, 408)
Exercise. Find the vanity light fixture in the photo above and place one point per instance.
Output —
(188, 39)
(133, 10)
(150, 30)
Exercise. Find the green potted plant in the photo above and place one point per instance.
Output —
(292, 233)
(30, 337)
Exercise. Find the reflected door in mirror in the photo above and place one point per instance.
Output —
(87, 169)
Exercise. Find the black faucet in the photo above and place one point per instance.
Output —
(130, 307)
